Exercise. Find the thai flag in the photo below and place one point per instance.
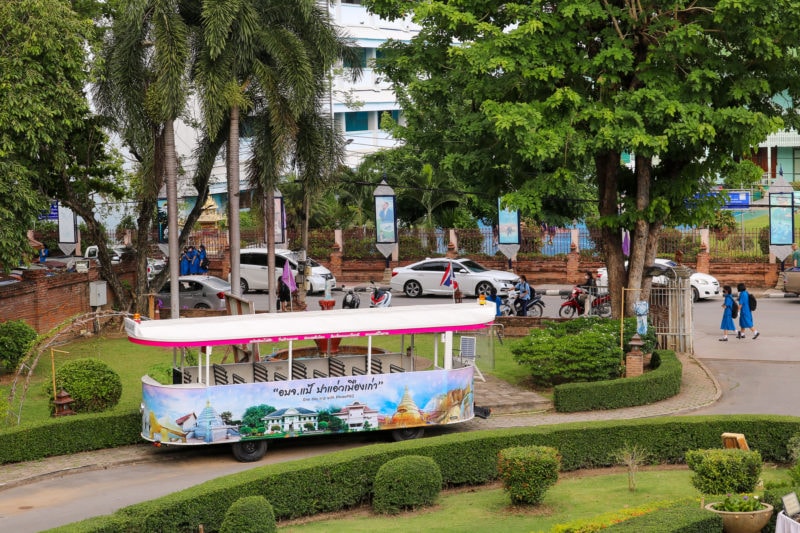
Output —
(449, 277)
(288, 278)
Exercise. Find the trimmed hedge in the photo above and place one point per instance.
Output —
(344, 479)
(528, 472)
(70, 434)
(408, 482)
(724, 471)
(650, 387)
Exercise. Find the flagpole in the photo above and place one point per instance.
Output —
(453, 281)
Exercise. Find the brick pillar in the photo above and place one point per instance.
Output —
(634, 364)
(224, 263)
(336, 261)
(574, 266)
(703, 260)
(41, 308)
(452, 251)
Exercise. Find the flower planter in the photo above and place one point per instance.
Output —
(743, 521)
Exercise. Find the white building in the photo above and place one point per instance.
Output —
(356, 107)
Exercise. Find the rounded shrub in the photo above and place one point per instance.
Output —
(251, 514)
(16, 338)
(406, 482)
(723, 471)
(93, 385)
(528, 471)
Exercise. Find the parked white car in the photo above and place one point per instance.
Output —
(703, 285)
(197, 292)
(253, 270)
(425, 277)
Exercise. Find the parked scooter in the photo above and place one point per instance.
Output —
(351, 300)
(575, 304)
(379, 297)
(512, 305)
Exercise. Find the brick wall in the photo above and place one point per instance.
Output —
(44, 301)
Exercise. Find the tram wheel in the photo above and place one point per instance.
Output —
(407, 434)
(249, 450)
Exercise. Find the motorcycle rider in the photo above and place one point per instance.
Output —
(493, 297)
(523, 294)
(590, 288)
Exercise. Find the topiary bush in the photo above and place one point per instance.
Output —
(406, 482)
(16, 338)
(93, 385)
(251, 514)
(528, 471)
(723, 471)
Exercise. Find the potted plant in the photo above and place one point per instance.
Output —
(743, 513)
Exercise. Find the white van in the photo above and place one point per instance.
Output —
(253, 269)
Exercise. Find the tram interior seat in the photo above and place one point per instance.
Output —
(279, 377)
(335, 368)
(393, 369)
(376, 367)
(318, 374)
(298, 370)
(469, 353)
(260, 372)
(220, 374)
(237, 378)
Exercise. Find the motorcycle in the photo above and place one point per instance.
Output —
(351, 300)
(379, 297)
(512, 305)
(575, 303)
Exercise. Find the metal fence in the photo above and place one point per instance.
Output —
(742, 245)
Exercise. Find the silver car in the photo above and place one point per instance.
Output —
(197, 292)
(428, 277)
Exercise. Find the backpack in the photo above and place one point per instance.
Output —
(735, 310)
(752, 301)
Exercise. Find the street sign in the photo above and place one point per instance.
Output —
(52, 214)
(737, 200)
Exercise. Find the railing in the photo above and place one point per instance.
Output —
(742, 244)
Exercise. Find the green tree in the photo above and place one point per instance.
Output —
(42, 76)
(558, 92)
(253, 415)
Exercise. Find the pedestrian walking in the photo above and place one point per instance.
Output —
(745, 313)
(728, 307)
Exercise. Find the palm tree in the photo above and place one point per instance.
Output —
(145, 88)
(276, 60)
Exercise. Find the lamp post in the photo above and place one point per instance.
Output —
(274, 233)
(385, 221)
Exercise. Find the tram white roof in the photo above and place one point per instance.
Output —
(276, 327)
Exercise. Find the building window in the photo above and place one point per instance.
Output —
(362, 59)
(356, 121)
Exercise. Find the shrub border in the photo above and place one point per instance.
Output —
(659, 384)
(343, 479)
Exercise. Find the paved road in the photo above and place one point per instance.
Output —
(756, 376)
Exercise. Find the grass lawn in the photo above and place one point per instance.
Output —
(132, 361)
(576, 496)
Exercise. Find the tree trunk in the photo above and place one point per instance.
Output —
(234, 234)
(171, 172)
(607, 166)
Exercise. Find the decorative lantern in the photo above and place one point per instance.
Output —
(63, 403)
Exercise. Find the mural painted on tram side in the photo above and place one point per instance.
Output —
(281, 409)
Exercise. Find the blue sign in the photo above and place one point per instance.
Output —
(53, 214)
(738, 200)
